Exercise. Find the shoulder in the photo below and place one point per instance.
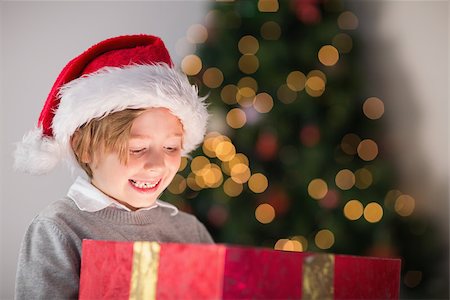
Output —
(191, 227)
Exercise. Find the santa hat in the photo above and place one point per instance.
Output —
(125, 72)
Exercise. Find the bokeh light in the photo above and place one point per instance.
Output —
(249, 82)
(248, 63)
(192, 183)
(345, 179)
(324, 239)
(373, 212)
(211, 141)
(317, 188)
(268, 5)
(348, 21)
(258, 183)
(349, 143)
(232, 188)
(296, 81)
(285, 94)
(367, 150)
(303, 241)
(328, 55)
(315, 83)
(191, 64)
(412, 278)
(248, 44)
(265, 213)
(225, 151)
(178, 185)
(240, 173)
(343, 42)
(353, 210)
(363, 178)
(197, 34)
(373, 108)
(200, 164)
(245, 96)
(263, 103)
(239, 158)
(236, 118)
(288, 245)
(228, 94)
(405, 205)
(183, 163)
(271, 31)
(390, 198)
(212, 77)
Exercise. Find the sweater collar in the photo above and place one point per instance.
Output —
(88, 198)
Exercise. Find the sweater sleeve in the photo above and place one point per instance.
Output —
(48, 265)
(203, 233)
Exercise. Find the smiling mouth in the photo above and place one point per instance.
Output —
(144, 184)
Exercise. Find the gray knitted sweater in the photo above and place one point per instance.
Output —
(49, 260)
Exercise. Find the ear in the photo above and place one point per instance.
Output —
(75, 141)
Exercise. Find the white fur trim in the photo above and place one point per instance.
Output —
(114, 89)
(36, 154)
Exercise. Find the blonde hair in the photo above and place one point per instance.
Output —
(104, 135)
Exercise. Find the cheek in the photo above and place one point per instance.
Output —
(174, 162)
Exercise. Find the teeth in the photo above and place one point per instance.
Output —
(143, 185)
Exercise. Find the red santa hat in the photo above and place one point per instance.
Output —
(125, 72)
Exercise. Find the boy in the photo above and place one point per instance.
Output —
(125, 116)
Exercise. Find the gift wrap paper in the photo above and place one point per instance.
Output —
(151, 270)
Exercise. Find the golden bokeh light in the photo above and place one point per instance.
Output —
(178, 185)
(268, 5)
(212, 77)
(248, 81)
(285, 94)
(302, 240)
(367, 150)
(348, 21)
(212, 178)
(363, 178)
(199, 164)
(324, 239)
(239, 158)
(296, 81)
(248, 63)
(197, 34)
(191, 64)
(328, 55)
(353, 210)
(229, 93)
(373, 108)
(288, 245)
(245, 96)
(248, 44)
(343, 42)
(271, 31)
(258, 183)
(390, 198)
(192, 182)
(211, 140)
(263, 103)
(225, 151)
(265, 213)
(317, 188)
(183, 163)
(240, 173)
(405, 205)
(315, 86)
(232, 188)
(349, 143)
(412, 278)
(236, 118)
(345, 179)
(373, 212)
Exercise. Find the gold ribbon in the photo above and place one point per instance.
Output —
(144, 276)
(318, 277)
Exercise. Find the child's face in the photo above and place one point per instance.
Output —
(153, 160)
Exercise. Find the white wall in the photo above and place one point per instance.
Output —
(37, 40)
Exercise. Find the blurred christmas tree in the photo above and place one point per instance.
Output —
(300, 164)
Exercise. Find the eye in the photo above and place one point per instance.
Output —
(137, 151)
(171, 149)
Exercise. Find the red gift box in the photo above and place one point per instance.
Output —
(150, 270)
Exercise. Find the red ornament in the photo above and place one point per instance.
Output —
(331, 200)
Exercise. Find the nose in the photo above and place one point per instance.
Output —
(154, 161)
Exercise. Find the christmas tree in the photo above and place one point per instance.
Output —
(300, 163)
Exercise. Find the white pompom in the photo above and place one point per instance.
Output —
(36, 154)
